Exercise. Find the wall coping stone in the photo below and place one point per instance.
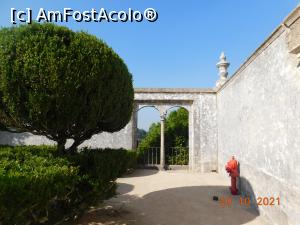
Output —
(174, 90)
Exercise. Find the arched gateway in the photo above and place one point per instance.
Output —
(201, 105)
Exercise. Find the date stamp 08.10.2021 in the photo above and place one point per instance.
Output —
(247, 201)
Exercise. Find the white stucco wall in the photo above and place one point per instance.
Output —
(120, 139)
(259, 123)
(205, 136)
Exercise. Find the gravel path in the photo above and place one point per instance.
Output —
(150, 197)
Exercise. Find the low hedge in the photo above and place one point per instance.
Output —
(38, 186)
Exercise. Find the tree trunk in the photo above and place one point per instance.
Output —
(74, 146)
(61, 146)
(78, 141)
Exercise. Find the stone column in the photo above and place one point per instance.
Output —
(162, 141)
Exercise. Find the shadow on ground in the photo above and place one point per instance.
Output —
(124, 188)
(175, 206)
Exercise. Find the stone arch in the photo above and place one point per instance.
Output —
(179, 106)
(145, 106)
(200, 104)
(137, 109)
(163, 106)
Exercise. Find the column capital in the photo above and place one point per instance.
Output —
(162, 112)
(163, 116)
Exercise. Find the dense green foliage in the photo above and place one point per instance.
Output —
(39, 186)
(141, 134)
(176, 137)
(62, 84)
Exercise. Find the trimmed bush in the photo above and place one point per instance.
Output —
(61, 84)
(38, 186)
(99, 168)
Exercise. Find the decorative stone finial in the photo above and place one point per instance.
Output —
(222, 66)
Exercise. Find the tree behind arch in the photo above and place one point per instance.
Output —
(61, 84)
(176, 132)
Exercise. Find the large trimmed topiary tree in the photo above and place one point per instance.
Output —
(61, 84)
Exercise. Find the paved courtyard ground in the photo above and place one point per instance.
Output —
(150, 197)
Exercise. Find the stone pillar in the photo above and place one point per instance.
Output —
(222, 66)
(162, 141)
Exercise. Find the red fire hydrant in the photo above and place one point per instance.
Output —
(232, 169)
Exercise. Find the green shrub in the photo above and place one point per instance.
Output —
(27, 151)
(99, 168)
(180, 157)
(33, 185)
(37, 185)
(131, 159)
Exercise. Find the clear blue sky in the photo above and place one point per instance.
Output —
(182, 47)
